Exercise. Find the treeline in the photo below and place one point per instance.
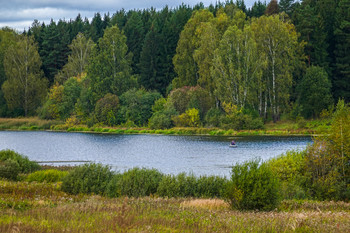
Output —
(222, 65)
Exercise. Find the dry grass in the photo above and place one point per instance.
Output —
(210, 204)
(50, 210)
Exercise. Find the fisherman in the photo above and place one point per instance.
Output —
(233, 143)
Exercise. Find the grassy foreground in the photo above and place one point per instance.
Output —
(42, 207)
(277, 129)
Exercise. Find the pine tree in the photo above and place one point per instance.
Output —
(342, 52)
(135, 33)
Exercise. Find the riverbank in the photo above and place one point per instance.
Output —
(282, 128)
(42, 207)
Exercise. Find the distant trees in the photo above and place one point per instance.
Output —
(213, 59)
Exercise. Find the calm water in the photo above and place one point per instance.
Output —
(202, 155)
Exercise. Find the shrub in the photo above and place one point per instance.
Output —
(25, 165)
(184, 185)
(253, 186)
(210, 186)
(49, 176)
(189, 118)
(289, 169)
(87, 178)
(106, 109)
(9, 169)
(160, 120)
(213, 117)
(135, 182)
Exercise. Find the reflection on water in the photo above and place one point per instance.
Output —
(201, 155)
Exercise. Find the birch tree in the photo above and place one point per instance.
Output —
(110, 70)
(78, 60)
(277, 41)
(237, 67)
(25, 86)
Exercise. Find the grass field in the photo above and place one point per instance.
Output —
(41, 207)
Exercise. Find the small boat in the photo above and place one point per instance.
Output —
(233, 146)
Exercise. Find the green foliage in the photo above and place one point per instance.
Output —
(290, 168)
(25, 86)
(9, 169)
(88, 178)
(109, 70)
(183, 185)
(213, 117)
(135, 182)
(106, 109)
(48, 176)
(136, 105)
(188, 119)
(314, 92)
(25, 165)
(253, 186)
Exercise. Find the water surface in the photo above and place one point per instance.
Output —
(202, 155)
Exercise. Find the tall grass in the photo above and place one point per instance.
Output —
(28, 123)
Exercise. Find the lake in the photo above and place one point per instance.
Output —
(200, 155)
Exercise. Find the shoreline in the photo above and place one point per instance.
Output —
(36, 124)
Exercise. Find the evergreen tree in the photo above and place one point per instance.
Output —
(54, 49)
(314, 92)
(257, 10)
(97, 27)
(150, 72)
(135, 33)
(342, 52)
(310, 26)
(286, 6)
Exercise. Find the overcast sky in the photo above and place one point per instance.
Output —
(20, 14)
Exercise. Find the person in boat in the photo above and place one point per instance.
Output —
(233, 143)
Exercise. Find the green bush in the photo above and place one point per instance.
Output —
(289, 169)
(253, 186)
(49, 176)
(211, 186)
(87, 178)
(184, 185)
(135, 182)
(9, 169)
(160, 120)
(25, 165)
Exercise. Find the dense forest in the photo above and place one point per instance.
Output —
(225, 65)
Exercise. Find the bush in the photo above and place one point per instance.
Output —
(253, 186)
(106, 109)
(213, 117)
(160, 120)
(188, 119)
(25, 165)
(9, 169)
(49, 176)
(289, 169)
(135, 182)
(87, 178)
(184, 185)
